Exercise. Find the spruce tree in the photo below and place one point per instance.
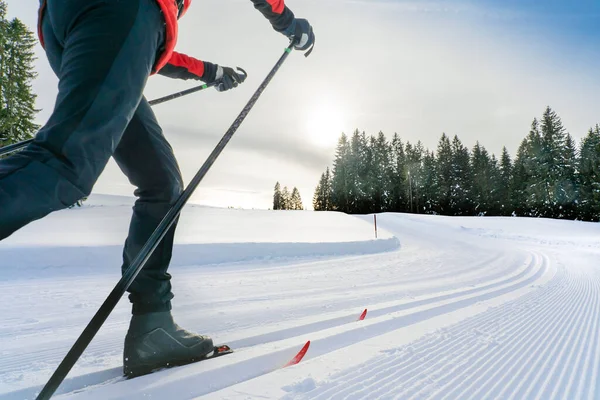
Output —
(340, 185)
(485, 177)
(17, 105)
(359, 166)
(567, 190)
(461, 179)
(277, 198)
(556, 166)
(318, 200)
(589, 176)
(286, 199)
(531, 179)
(415, 185)
(397, 176)
(495, 199)
(296, 200)
(430, 182)
(444, 168)
(378, 174)
(505, 182)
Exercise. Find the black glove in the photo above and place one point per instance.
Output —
(302, 33)
(225, 77)
(229, 78)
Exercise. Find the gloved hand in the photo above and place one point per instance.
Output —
(226, 78)
(302, 33)
(229, 78)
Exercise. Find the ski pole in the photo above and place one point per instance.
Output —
(16, 146)
(138, 263)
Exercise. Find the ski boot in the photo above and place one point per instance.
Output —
(155, 341)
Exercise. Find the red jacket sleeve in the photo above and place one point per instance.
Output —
(276, 12)
(185, 67)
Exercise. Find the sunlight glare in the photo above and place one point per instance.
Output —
(325, 124)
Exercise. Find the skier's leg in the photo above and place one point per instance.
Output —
(103, 53)
(153, 340)
(145, 156)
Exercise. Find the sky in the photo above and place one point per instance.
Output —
(481, 70)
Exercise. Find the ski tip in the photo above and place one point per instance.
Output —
(298, 356)
(363, 315)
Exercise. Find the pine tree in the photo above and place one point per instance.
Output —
(589, 176)
(495, 199)
(504, 190)
(296, 200)
(529, 183)
(277, 198)
(415, 186)
(567, 190)
(444, 168)
(485, 171)
(359, 185)
(17, 100)
(557, 160)
(461, 179)
(340, 185)
(378, 174)
(430, 181)
(286, 199)
(397, 175)
(317, 199)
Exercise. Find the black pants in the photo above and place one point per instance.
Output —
(102, 51)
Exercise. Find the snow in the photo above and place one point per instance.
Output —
(458, 307)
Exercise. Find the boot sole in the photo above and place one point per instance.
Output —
(145, 369)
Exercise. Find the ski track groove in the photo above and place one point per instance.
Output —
(567, 352)
(109, 346)
(542, 345)
(424, 373)
(515, 353)
(365, 387)
(434, 371)
(593, 354)
(543, 351)
(427, 346)
(513, 282)
(592, 327)
(428, 352)
(465, 273)
(493, 365)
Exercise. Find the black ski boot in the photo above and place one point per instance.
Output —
(155, 341)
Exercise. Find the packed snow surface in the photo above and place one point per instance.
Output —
(458, 308)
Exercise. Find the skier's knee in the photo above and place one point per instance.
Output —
(176, 189)
(169, 192)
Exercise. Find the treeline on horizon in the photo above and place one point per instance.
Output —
(551, 176)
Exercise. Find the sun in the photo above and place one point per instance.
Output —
(325, 123)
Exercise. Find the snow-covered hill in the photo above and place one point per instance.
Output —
(457, 307)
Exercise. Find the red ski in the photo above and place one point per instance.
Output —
(299, 356)
(363, 315)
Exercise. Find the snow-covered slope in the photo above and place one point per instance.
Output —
(465, 308)
(89, 240)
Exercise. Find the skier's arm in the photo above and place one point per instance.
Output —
(283, 21)
(278, 14)
(185, 67)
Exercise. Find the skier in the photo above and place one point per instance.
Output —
(103, 52)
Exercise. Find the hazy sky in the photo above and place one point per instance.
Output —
(479, 69)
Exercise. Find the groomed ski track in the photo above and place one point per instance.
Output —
(453, 314)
